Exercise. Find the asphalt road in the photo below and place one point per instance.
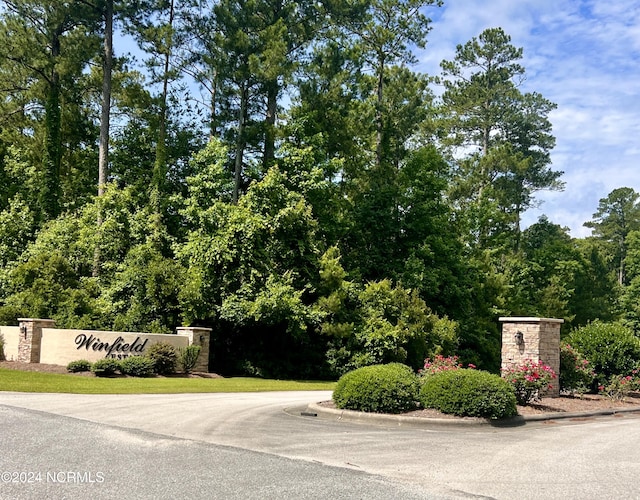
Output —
(260, 446)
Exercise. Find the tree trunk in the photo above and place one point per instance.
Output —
(103, 151)
(240, 142)
(270, 123)
(160, 164)
(107, 68)
(379, 117)
(213, 126)
(51, 192)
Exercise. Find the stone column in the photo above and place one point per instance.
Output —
(30, 338)
(201, 336)
(537, 339)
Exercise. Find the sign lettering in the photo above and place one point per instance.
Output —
(110, 349)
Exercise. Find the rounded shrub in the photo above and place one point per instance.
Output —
(611, 349)
(81, 365)
(137, 366)
(390, 388)
(164, 356)
(105, 367)
(469, 393)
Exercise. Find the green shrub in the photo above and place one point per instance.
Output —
(390, 388)
(469, 393)
(188, 357)
(611, 349)
(576, 375)
(164, 356)
(2, 356)
(105, 367)
(137, 366)
(81, 365)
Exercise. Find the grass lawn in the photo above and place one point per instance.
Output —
(24, 381)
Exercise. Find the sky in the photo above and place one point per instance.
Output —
(584, 56)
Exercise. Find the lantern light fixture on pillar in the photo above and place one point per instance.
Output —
(23, 331)
(519, 338)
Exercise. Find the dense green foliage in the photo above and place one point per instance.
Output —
(164, 357)
(611, 349)
(283, 176)
(576, 374)
(188, 357)
(468, 393)
(137, 366)
(106, 367)
(80, 365)
(390, 388)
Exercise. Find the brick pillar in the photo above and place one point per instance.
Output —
(198, 336)
(537, 339)
(30, 338)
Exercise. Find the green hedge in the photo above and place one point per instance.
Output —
(80, 365)
(469, 393)
(137, 366)
(105, 367)
(390, 388)
(611, 349)
(165, 357)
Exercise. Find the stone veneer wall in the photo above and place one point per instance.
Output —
(541, 342)
(198, 336)
(30, 338)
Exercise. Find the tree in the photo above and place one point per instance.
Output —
(42, 53)
(484, 108)
(382, 36)
(244, 55)
(618, 214)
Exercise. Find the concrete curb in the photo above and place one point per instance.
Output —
(409, 421)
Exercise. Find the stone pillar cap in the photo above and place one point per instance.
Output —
(526, 319)
(194, 328)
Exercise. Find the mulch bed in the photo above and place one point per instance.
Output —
(563, 404)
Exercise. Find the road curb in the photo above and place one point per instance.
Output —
(410, 421)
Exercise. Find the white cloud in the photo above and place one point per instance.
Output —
(584, 55)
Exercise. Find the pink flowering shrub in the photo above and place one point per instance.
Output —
(530, 380)
(441, 364)
(619, 386)
(576, 374)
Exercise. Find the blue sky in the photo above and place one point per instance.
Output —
(585, 57)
